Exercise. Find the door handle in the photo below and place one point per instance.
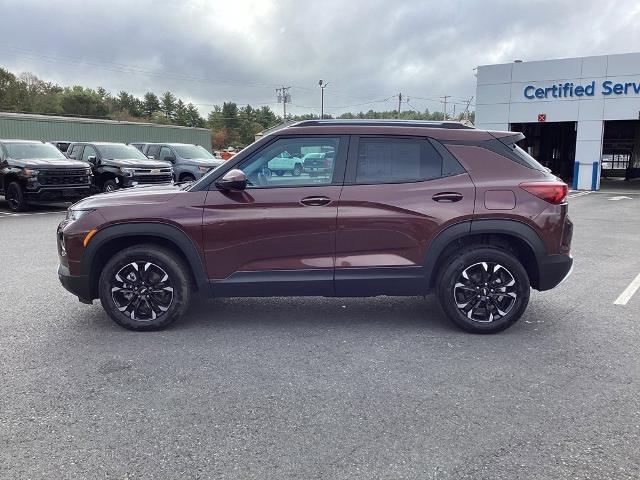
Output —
(447, 197)
(315, 201)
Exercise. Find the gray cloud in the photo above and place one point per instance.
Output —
(212, 51)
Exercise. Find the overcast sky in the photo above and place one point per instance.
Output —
(209, 51)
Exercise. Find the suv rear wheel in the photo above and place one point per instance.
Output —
(484, 289)
(144, 288)
(15, 197)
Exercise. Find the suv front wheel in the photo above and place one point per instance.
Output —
(144, 287)
(484, 289)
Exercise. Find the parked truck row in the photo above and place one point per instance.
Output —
(34, 171)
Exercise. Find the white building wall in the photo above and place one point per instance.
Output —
(500, 100)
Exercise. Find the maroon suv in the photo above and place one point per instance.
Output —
(406, 208)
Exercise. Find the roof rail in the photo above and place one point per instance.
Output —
(383, 123)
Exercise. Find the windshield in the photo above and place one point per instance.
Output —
(192, 151)
(117, 152)
(23, 151)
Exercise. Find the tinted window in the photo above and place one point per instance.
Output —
(153, 151)
(396, 160)
(89, 151)
(75, 151)
(281, 163)
(192, 151)
(165, 152)
(21, 151)
(527, 159)
(117, 151)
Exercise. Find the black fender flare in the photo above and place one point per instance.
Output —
(152, 230)
(458, 231)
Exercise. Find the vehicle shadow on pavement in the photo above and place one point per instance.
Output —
(315, 312)
(35, 208)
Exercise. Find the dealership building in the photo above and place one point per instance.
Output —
(580, 116)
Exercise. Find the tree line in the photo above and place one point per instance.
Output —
(230, 124)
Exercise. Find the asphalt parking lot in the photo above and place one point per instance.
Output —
(324, 388)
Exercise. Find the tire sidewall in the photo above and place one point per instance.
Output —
(109, 182)
(16, 188)
(163, 258)
(452, 271)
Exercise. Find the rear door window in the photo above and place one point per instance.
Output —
(395, 160)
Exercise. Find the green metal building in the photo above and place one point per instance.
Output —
(48, 128)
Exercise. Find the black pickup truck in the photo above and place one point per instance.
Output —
(116, 165)
(33, 171)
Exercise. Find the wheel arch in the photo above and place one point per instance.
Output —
(512, 235)
(114, 238)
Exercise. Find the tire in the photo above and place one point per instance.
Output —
(474, 303)
(279, 173)
(109, 186)
(187, 177)
(170, 300)
(297, 170)
(15, 197)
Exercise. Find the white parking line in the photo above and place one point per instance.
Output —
(628, 292)
(9, 215)
(578, 194)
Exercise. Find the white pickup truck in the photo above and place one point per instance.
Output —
(285, 163)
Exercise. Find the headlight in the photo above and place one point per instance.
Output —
(76, 214)
(29, 172)
(127, 172)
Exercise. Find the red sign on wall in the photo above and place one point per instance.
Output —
(542, 117)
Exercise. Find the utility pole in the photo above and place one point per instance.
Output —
(444, 98)
(399, 103)
(466, 110)
(322, 87)
(284, 97)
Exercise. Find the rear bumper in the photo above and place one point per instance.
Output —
(553, 270)
(78, 285)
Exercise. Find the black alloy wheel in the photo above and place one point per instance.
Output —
(145, 287)
(483, 289)
(15, 197)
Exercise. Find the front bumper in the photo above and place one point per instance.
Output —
(553, 270)
(57, 193)
(76, 284)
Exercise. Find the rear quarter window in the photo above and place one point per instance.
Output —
(525, 158)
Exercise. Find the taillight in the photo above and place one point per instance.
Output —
(552, 192)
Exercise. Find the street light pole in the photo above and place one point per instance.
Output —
(322, 86)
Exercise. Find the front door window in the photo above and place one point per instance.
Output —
(293, 162)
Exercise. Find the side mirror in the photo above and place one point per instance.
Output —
(233, 180)
(170, 159)
(91, 159)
